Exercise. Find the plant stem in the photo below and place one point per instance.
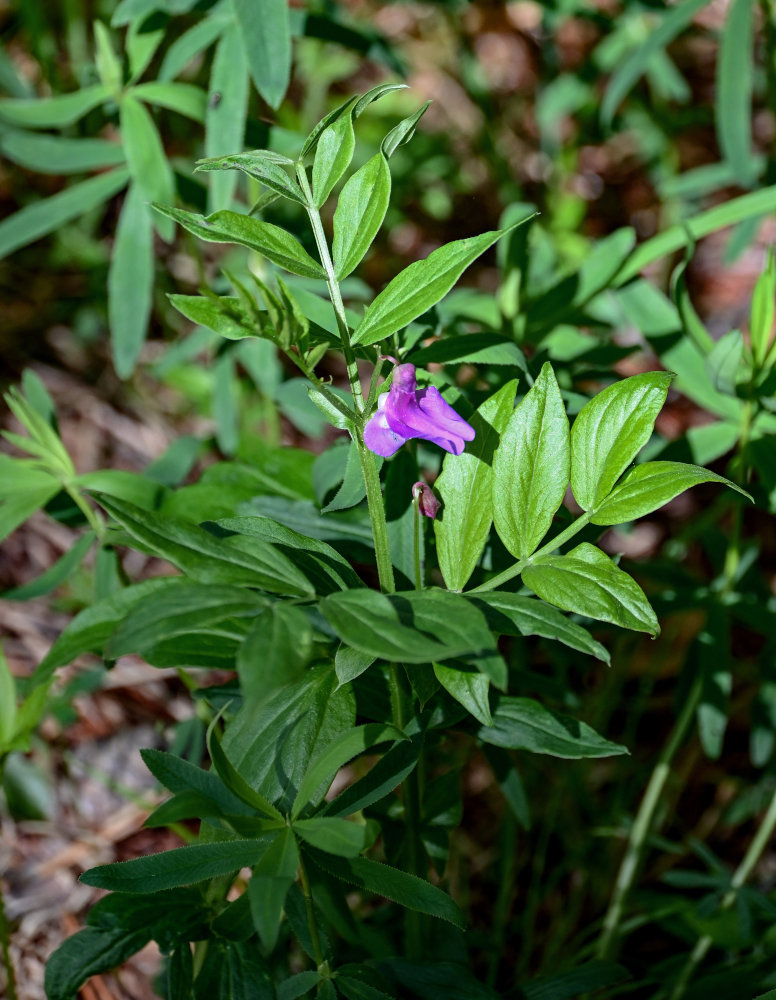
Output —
(88, 512)
(741, 874)
(5, 945)
(642, 825)
(310, 907)
(551, 546)
(417, 542)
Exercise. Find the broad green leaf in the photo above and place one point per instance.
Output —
(16, 509)
(629, 70)
(184, 98)
(272, 744)
(351, 663)
(407, 890)
(468, 687)
(334, 835)
(725, 363)
(44, 216)
(56, 575)
(91, 628)
(53, 112)
(224, 314)
(181, 608)
(7, 703)
(524, 724)
(50, 154)
(180, 866)
(148, 165)
(531, 467)
(233, 970)
(87, 953)
(225, 118)
(515, 614)
(610, 430)
(275, 651)
(264, 165)
(271, 880)
(182, 777)
(420, 286)
(352, 489)
(231, 227)
(225, 403)
(587, 582)
(361, 208)
(265, 33)
(333, 154)
(471, 348)
(313, 138)
(296, 986)
(354, 989)
(733, 104)
(344, 748)
(466, 490)
(131, 281)
(413, 627)
(247, 562)
(133, 486)
(647, 487)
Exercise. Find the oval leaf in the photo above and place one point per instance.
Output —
(361, 208)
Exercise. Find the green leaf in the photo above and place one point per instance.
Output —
(131, 281)
(354, 989)
(344, 748)
(275, 651)
(763, 307)
(180, 866)
(420, 286)
(148, 166)
(296, 986)
(141, 44)
(466, 490)
(414, 627)
(182, 777)
(7, 703)
(267, 889)
(49, 154)
(630, 69)
(469, 688)
(234, 781)
(360, 211)
(133, 486)
(733, 104)
(333, 154)
(610, 430)
(524, 724)
(402, 133)
(587, 582)
(44, 216)
(262, 164)
(16, 509)
(471, 348)
(570, 985)
(54, 112)
(231, 227)
(647, 487)
(225, 118)
(335, 835)
(407, 890)
(271, 744)
(224, 314)
(108, 65)
(351, 663)
(515, 614)
(188, 45)
(56, 575)
(91, 628)
(531, 467)
(87, 953)
(180, 608)
(247, 562)
(387, 774)
(185, 98)
(266, 35)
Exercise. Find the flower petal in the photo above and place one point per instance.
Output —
(378, 436)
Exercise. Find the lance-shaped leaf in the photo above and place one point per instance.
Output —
(244, 562)
(225, 118)
(53, 112)
(421, 285)
(531, 467)
(148, 165)
(466, 490)
(332, 157)
(525, 724)
(647, 487)
(231, 227)
(468, 687)
(266, 35)
(180, 866)
(610, 430)
(262, 164)
(131, 281)
(53, 154)
(361, 208)
(335, 835)
(587, 582)
(272, 878)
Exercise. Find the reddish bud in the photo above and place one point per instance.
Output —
(426, 498)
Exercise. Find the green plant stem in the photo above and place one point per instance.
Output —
(88, 512)
(551, 546)
(5, 945)
(741, 874)
(642, 825)
(417, 542)
(310, 908)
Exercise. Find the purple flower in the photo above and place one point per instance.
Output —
(426, 498)
(405, 412)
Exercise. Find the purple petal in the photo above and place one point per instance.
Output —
(424, 414)
(378, 436)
